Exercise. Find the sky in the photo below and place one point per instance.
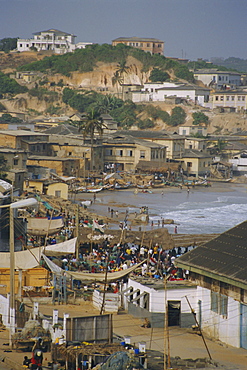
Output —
(190, 28)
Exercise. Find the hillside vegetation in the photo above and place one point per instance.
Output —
(84, 60)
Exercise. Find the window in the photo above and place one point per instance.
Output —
(58, 193)
(226, 78)
(243, 98)
(223, 305)
(129, 153)
(108, 152)
(136, 43)
(219, 303)
(141, 44)
(214, 302)
(159, 45)
(233, 98)
(70, 153)
(219, 78)
(216, 98)
(148, 45)
(239, 98)
(15, 162)
(221, 98)
(142, 153)
(20, 45)
(228, 98)
(189, 164)
(190, 146)
(119, 152)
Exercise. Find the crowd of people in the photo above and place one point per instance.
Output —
(95, 257)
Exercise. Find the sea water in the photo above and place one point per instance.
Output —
(197, 211)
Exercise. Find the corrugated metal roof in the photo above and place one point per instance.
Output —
(225, 255)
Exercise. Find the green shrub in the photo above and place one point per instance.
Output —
(10, 86)
(144, 124)
(158, 76)
(177, 117)
(199, 117)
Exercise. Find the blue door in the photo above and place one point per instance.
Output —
(243, 326)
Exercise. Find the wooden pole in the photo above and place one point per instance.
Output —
(197, 323)
(77, 231)
(105, 283)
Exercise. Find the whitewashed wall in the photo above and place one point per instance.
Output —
(157, 297)
(4, 309)
(225, 329)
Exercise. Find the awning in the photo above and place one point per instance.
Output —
(67, 247)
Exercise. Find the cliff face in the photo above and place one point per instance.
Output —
(101, 76)
(100, 79)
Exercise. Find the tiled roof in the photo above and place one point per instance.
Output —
(64, 129)
(189, 153)
(56, 32)
(225, 256)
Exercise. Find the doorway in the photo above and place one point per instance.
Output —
(174, 308)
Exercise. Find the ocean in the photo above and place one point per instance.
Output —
(202, 210)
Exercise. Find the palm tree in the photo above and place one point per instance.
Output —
(90, 123)
(122, 70)
(117, 80)
(106, 103)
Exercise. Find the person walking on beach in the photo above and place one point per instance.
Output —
(112, 212)
(175, 229)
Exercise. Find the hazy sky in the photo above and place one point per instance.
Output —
(190, 28)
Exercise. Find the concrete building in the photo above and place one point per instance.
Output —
(62, 166)
(218, 79)
(163, 91)
(51, 40)
(195, 162)
(235, 99)
(219, 269)
(151, 45)
(174, 143)
(239, 163)
(189, 130)
(58, 41)
(125, 153)
(145, 298)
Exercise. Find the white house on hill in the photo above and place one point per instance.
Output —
(166, 90)
(58, 41)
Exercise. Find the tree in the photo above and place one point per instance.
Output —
(117, 80)
(177, 117)
(8, 118)
(158, 76)
(122, 70)
(88, 125)
(199, 117)
(10, 86)
(3, 167)
(144, 124)
(106, 103)
(8, 44)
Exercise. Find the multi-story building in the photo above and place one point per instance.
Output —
(58, 41)
(126, 153)
(164, 91)
(231, 99)
(153, 46)
(218, 79)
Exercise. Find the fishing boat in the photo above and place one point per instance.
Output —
(42, 226)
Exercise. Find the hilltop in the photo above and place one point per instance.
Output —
(89, 74)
